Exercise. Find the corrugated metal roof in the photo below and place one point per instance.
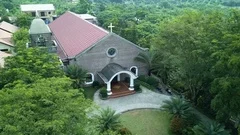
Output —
(74, 34)
(6, 41)
(39, 27)
(8, 27)
(37, 7)
(4, 34)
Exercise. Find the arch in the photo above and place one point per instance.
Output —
(136, 70)
(92, 79)
(121, 72)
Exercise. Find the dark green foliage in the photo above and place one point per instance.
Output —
(213, 128)
(23, 20)
(142, 78)
(77, 74)
(82, 7)
(145, 84)
(137, 87)
(96, 84)
(107, 120)
(152, 81)
(178, 107)
(204, 52)
(103, 93)
(147, 81)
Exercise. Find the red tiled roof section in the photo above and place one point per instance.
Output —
(75, 34)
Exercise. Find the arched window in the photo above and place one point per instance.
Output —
(134, 69)
(89, 78)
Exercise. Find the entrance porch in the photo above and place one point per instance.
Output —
(120, 89)
(111, 74)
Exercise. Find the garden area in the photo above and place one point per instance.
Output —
(147, 122)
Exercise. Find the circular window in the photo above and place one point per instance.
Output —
(111, 52)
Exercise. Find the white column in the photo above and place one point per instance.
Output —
(109, 92)
(131, 84)
(118, 78)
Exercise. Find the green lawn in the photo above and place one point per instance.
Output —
(89, 92)
(147, 122)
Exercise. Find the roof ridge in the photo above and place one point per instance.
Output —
(102, 29)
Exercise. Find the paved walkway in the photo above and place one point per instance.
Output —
(146, 99)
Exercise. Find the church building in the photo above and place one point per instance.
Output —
(106, 56)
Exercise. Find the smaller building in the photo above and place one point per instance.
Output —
(43, 11)
(6, 32)
(41, 35)
(89, 18)
(8, 27)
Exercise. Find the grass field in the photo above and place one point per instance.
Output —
(146, 122)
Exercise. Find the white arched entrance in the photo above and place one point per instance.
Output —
(113, 70)
(131, 75)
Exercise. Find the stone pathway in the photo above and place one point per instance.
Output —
(146, 99)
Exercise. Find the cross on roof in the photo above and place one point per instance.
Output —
(111, 27)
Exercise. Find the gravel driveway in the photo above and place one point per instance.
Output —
(146, 99)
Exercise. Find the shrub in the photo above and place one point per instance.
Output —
(125, 131)
(145, 84)
(177, 125)
(103, 92)
(137, 87)
(152, 81)
(95, 84)
(142, 78)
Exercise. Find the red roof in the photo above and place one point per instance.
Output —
(74, 34)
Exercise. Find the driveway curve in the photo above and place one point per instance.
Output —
(146, 99)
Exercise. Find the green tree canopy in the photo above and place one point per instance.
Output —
(30, 64)
(48, 106)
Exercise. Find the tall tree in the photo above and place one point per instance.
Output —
(76, 73)
(48, 106)
(34, 62)
(23, 20)
(82, 7)
(20, 39)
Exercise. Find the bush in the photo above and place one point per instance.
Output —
(152, 81)
(103, 92)
(177, 125)
(137, 87)
(145, 84)
(125, 131)
(95, 84)
(142, 78)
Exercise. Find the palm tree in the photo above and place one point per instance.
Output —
(77, 74)
(212, 128)
(146, 58)
(108, 120)
(178, 107)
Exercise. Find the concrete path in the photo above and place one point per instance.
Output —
(146, 99)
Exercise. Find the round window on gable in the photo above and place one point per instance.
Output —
(111, 52)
